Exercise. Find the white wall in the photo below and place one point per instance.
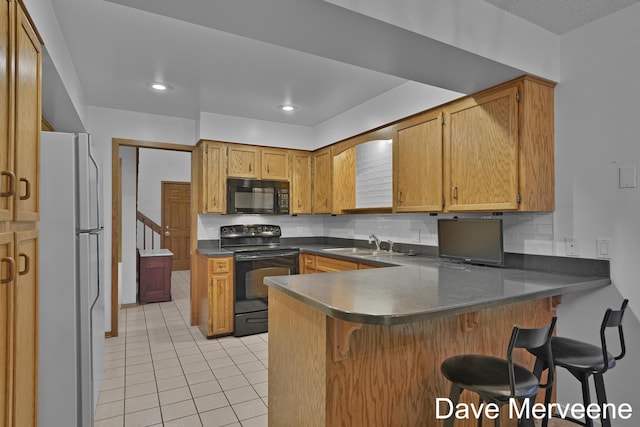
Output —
(106, 124)
(251, 131)
(126, 292)
(154, 167)
(597, 132)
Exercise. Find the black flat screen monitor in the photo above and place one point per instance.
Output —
(475, 241)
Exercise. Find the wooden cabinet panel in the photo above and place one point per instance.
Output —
(362, 266)
(214, 175)
(7, 285)
(243, 161)
(275, 164)
(481, 158)
(417, 164)
(300, 182)
(499, 149)
(322, 181)
(25, 330)
(221, 304)
(215, 295)
(28, 94)
(7, 179)
(344, 176)
(307, 264)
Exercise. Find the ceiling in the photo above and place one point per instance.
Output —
(561, 16)
(246, 57)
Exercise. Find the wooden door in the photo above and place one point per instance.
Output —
(7, 284)
(481, 157)
(25, 330)
(28, 90)
(275, 164)
(300, 182)
(176, 222)
(7, 179)
(243, 161)
(322, 181)
(417, 164)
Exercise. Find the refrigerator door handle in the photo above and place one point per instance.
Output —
(98, 183)
(93, 303)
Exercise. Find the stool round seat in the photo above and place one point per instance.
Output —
(580, 356)
(496, 380)
(488, 376)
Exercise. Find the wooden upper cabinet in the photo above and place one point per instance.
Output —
(481, 157)
(28, 95)
(243, 161)
(322, 180)
(213, 164)
(275, 164)
(499, 149)
(300, 182)
(417, 164)
(20, 117)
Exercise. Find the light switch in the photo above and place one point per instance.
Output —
(628, 177)
(603, 248)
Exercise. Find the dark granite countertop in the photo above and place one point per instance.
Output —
(429, 288)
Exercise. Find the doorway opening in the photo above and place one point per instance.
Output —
(122, 185)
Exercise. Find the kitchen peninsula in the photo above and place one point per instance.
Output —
(364, 348)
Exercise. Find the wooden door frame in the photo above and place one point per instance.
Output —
(116, 206)
(162, 201)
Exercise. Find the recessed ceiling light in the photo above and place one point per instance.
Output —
(160, 87)
(287, 107)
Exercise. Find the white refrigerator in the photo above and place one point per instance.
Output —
(71, 314)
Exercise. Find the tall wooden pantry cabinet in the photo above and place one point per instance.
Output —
(20, 119)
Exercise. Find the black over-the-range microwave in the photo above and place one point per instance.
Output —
(257, 196)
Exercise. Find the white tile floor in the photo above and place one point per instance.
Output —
(162, 372)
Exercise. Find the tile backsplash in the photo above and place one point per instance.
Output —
(525, 233)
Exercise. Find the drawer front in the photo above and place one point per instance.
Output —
(220, 265)
(309, 261)
(331, 264)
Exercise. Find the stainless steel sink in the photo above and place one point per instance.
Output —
(360, 252)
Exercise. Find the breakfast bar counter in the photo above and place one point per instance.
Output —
(364, 348)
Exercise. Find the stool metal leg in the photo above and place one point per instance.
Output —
(602, 399)
(586, 397)
(454, 396)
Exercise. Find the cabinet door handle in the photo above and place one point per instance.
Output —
(12, 270)
(399, 196)
(27, 189)
(249, 167)
(455, 193)
(27, 263)
(268, 171)
(326, 203)
(12, 184)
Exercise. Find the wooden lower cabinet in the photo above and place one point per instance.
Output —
(310, 264)
(155, 275)
(215, 295)
(19, 328)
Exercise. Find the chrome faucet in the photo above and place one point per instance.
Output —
(390, 245)
(373, 238)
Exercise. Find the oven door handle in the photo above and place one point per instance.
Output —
(246, 257)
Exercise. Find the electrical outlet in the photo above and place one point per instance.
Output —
(571, 246)
(603, 248)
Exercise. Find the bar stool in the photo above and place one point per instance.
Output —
(498, 380)
(583, 360)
